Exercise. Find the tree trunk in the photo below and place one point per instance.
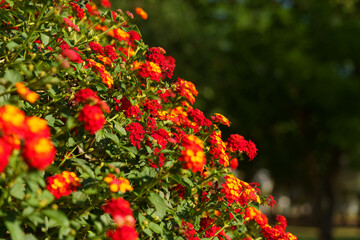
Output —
(327, 198)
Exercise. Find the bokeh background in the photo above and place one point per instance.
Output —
(287, 75)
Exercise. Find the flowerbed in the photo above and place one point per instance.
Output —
(99, 140)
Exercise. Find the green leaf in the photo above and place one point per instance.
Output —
(27, 211)
(18, 190)
(188, 181)
(13, 76)
(30, 237)
(52, 93)
(132, 150)
(45, 39)
(119, 128)
(59, 217)
(15, 229)
(82, 164)
(112, 137)
(78, 197)
(46, 197)
(71, 142)
(12, 46)
(70, 122)
(148, 232)
(155, 227)
(159, 204)
(50, 120)
(4, 98)
(100, 135)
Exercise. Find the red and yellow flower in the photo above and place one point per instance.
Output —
(62, 184)
(239, 191)
(139, 11)
(193, 154)
(39, 152)
(118, 184)
(150, 70)
(26, 93)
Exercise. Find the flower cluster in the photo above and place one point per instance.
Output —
(208, 225)
(26, 93)
(268, 232)
(104, 74)
(218, 148)
(136, 133)
(141, 13)
(150, 70)
(186, 89)
(122, 215)
(188, 231)
(62, 184)
(166, 63)
(91, 115)
(239, 191)
(237, 143)
(219, 118)
(118, 184)
(193, 154)
(30, 134)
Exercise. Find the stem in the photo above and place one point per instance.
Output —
(211, 225)
(227, 224)
(68, 156)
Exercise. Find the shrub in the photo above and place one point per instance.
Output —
(99, 140)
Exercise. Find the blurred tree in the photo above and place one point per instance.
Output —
(286, 73)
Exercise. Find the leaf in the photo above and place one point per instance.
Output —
(188, 181)
(50, 120)
(119, 128)
(159, 204)
(132, 150)
(44, 38)
(83, 165)
(71, 142)
(148, 232)
(52, 93)
(112, 137)
(59, 217)
(13, 76)
(30, 237)
(27, 211)
(155, 227)
(70, 122)
(18, 190)
(15, 229)
(78, 197)
(46, 197)
(4, 98)
(12, 46)
(99, 135)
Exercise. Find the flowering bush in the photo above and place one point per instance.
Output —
(99, 140)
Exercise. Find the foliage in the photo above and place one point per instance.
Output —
(99, 140)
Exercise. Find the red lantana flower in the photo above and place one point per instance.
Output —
(62, 184)
(136, 133)
(72, 55)
(150, 70)
(39, 152)
(92, 117)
